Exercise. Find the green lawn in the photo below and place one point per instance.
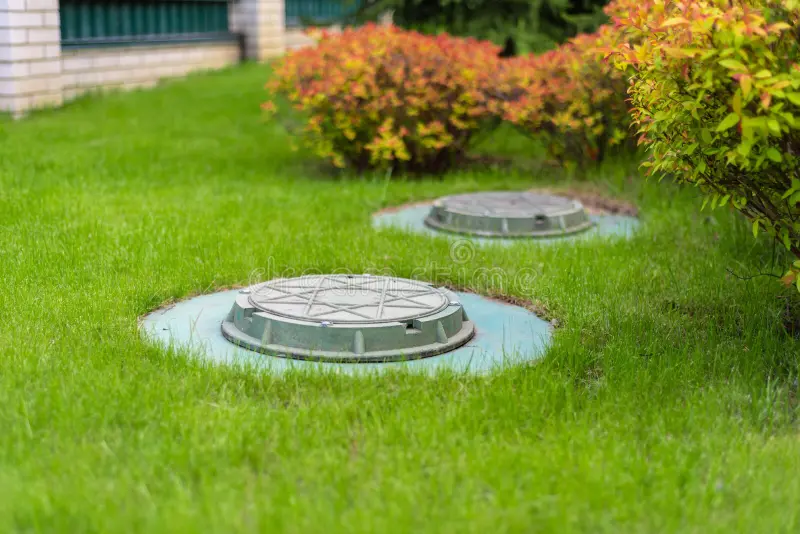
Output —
(667, 402)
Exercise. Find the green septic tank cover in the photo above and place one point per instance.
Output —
(348, 318)
(508, 214)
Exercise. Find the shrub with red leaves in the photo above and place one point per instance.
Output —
(573, 97)
(380, 97)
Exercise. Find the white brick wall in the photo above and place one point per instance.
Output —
(139, 66)
(15, 36)
(263, 24)
(41, 5)
(34, 71)
(21, 19)
(51, 19)
(9, 71)
(44, 35)
(30, 69)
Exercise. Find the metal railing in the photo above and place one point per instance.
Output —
(102, 22)
(311, 12)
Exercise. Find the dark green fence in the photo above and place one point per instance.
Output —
(95, 22)
(310, 12)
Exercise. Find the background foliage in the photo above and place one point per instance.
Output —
(571, 98)
(521, 26)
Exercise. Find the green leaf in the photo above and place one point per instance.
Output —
(691, 148)
(728, 122)
(773, 125)
(755, 228)
(736, 102)
(732, 64)
(774, 155)
(705, 136)
(674, 21)
(762, 74)
(794, 98)
(747, 83)
(744, 149)
(751, 123)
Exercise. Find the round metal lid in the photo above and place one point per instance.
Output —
(508, 214)
(348, 318)
(348, 298)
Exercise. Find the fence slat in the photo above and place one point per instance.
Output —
(107, 22)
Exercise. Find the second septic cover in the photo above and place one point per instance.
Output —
(508, 214)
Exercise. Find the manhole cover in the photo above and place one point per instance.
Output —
(508, 214)
(348, 318)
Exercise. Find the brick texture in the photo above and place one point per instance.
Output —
(263, 24)
(36, 72)
(30, 75)
(139, 66)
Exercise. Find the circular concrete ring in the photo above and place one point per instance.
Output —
(411, 218)
(505, 335)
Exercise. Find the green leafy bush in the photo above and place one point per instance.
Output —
(716, 99)
(524, 25)
(379, 96)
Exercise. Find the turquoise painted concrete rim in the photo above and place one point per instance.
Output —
(507, 335)
(412, 219)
